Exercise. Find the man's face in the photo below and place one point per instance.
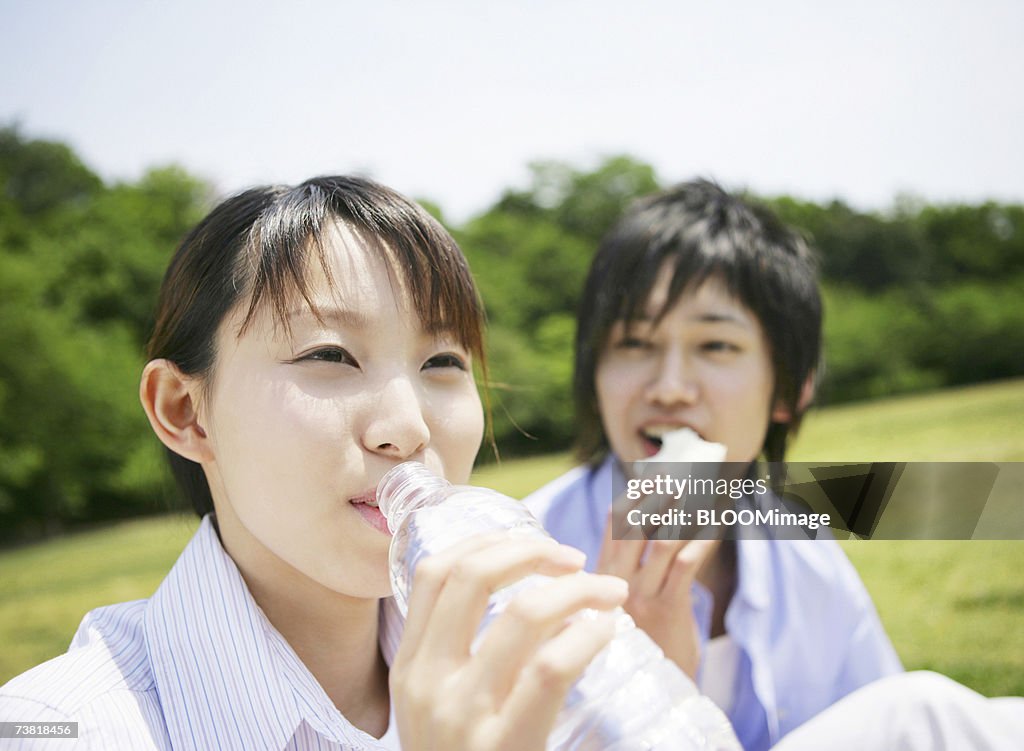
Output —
(705, 365)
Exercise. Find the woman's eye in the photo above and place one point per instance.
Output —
(447, 360)
(330, 354)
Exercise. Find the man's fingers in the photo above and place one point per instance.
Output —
(622, 558)
(651, 578)
(619, 557)
(685, 566)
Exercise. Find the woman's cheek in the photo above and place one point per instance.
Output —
(466, 426)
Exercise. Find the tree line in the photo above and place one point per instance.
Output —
(917, 297)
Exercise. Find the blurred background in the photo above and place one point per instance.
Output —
(889, 135)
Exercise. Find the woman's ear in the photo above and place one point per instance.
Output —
(781, 411)
(169, 398)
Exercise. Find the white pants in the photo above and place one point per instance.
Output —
(912, 712)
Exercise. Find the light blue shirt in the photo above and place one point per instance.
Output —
(196, 666)
(806, 628)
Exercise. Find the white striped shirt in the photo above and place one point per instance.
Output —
(196, 666)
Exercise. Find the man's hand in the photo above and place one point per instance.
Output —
(659, 589)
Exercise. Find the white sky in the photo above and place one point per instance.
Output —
(451, 100)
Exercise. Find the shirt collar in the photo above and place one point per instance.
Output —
(753, 580)
(225, 676)
(606, 483)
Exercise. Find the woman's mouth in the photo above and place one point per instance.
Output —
(366, 505)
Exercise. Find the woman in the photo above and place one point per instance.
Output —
(307, 340)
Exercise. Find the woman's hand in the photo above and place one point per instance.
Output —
(659, 589)
(507, 695)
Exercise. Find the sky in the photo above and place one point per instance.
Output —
(452, 100)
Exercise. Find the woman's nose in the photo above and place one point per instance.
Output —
(673, 382)
(397, 427)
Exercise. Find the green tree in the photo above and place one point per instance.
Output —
(80, 264)
(40, 176)
(978, 242)
(530, 253)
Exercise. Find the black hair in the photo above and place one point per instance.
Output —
(260, 244)
(705, 233)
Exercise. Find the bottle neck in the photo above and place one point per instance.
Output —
(407, 487)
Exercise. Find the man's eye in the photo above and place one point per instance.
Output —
(633, 342)
(717, 345)
(330, 354)
(447, 360)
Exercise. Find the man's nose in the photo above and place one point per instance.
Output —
(673, 382)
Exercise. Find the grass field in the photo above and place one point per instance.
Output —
(954, 607)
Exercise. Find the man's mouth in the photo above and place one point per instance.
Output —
(653, 436)
(680, 444)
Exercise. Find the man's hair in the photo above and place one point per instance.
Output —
(703, 233)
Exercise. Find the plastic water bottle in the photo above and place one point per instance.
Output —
(630, 696)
